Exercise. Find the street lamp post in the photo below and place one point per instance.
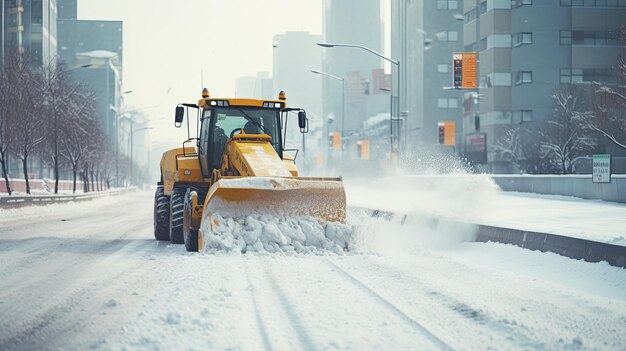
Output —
(343, 101)
(398, 68)
(108, 88)
(132, 141)
(132, 132)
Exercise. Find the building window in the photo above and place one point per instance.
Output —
(447, 103)
(569, 75)
(497, 79)
(448, 36)
(520, 3)
(36, 16)
(594, 38)
(482, 7)
(523, 116)
(524, 77)
(447, 4)
(471, 15)
(498, 5)
(499, 41)
(588, 75)
(566, 37)
(523, 38)
(593, 3)
(444, 68)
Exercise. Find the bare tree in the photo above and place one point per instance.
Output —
(609, 104)
(6, 120)
(565, 136)
(28, 108)
(76, 135)
(58, 94)
(522, 146)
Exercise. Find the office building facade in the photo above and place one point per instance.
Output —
(29, 27)
(424, 34)
(360, 68)
(98, 44)
(527, 49)
(294, 54)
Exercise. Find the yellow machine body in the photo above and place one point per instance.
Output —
(180, 166)
(252, 179)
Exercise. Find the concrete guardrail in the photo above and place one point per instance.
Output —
(579, 249)
(10, 202)
(567, 185)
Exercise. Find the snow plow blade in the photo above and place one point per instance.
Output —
(322, 198)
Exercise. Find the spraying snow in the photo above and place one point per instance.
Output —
(275, 234)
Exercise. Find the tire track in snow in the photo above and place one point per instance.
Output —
(303, 337)
(267, 345)
(86, 307)
(478, 316)
(438, 342)
(274, 309)
(103, 248)
(53, 322)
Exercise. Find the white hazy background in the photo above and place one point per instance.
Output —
(167, 44)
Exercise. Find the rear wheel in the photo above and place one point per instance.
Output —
(190, 234)
(177, 203)
(161, 215)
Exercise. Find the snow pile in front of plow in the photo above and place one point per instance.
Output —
(275, 234)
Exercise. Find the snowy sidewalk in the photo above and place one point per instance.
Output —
(476, 199)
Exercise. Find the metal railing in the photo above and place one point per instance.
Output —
(10, 202)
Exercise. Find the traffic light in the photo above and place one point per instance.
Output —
(446, 133)
(441, 127)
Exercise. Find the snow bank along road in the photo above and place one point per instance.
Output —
(91, 276)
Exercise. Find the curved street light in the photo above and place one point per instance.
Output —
(343, 100)
(398, 67)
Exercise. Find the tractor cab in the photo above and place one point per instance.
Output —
(222, 119)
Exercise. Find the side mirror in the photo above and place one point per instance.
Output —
(180, 115)
(302, 122)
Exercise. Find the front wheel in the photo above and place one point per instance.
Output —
(161, 215)
(190, 234)
(176, 215)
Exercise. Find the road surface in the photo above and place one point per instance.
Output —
(91, 276)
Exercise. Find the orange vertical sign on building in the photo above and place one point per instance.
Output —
(464, 70)
(336, 138)
(447, 133)
(364, 149)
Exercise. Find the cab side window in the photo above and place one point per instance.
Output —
(203, 146)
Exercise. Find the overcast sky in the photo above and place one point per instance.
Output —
(168, 43)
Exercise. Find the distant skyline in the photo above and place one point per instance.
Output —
(167, 47)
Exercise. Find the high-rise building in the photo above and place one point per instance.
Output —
(99, 44)
(528, 48)
(294, 54)
(424, 34)
(68, 9)
(259, 87)
(30, 28)
(356, 22)
(79, 36)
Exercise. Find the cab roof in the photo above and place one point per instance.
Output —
(205, 102)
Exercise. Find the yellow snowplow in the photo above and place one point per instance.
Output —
(238, 167)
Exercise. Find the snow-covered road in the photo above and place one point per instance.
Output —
(90, 275)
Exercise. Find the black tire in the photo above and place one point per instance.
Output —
(161, 215)
(190, 235)
(177, 203)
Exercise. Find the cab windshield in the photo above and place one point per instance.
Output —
(227, 122)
